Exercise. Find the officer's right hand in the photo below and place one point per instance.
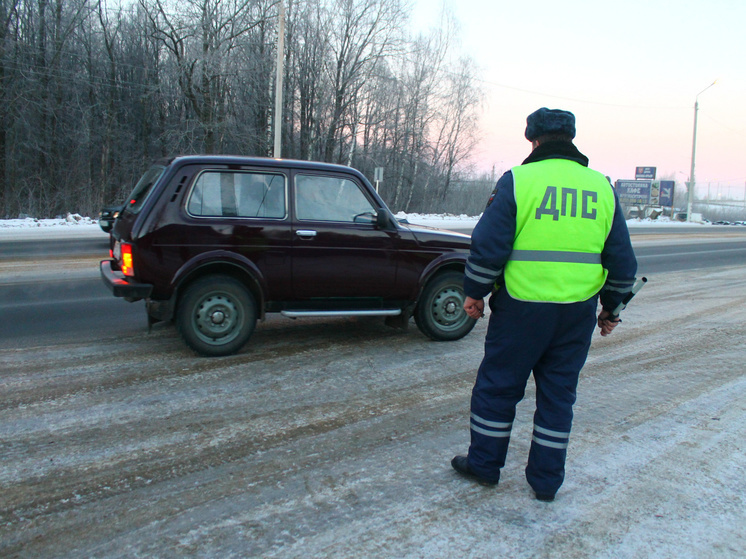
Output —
(605, 322)
(474, 307)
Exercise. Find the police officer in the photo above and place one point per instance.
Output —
(552, 238)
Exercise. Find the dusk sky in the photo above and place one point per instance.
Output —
(630, 71)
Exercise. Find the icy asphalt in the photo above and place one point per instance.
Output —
(332, 438)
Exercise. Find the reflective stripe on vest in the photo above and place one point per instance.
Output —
(564, 214)
(555, 256)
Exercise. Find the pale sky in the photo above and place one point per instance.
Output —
(629, 70)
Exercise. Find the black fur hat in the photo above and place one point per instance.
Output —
(550, 121)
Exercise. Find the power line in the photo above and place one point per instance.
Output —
(576, 100)
(720, 123)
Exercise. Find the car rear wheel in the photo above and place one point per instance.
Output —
(440, 313)
(216, 316)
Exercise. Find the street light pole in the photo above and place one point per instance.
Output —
(278, 81)
(690, 197)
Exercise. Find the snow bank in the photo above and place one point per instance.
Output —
(72, 225)
(445, 221)
(75, 225)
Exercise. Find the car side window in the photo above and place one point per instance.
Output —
(238, 194)
(319, 198)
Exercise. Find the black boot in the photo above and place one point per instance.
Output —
(461, 465)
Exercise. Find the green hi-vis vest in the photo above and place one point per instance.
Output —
(565, 211)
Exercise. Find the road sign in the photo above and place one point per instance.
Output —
(378, 176)
(645, 173)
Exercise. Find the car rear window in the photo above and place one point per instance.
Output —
(143, 188)
(238, 194)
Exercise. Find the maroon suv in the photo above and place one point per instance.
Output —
(215, 242)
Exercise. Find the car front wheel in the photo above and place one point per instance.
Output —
(216, 316)
(440, 313)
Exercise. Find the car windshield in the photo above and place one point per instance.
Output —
(143, 188)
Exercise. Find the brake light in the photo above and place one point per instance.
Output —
(127, 268)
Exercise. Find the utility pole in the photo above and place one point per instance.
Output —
(692, 182)
(278, 81)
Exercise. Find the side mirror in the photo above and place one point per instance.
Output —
(382, 219)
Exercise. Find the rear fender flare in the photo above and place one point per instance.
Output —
(222, 262)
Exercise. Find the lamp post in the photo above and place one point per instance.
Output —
(690, 197)
(277, 117)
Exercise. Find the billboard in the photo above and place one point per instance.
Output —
(645, 172)
(635, 193)
(667, 190)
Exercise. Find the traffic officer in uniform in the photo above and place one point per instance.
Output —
(552, 238)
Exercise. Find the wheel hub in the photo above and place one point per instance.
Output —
(448, 307)
(216, 317)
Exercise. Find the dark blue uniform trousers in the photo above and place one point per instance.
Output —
(552, 340)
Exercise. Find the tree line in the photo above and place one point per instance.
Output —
(92, 93)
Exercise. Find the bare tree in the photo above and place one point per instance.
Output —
(364, 32)
(90, 93)
(201, 36)
(44, 121)
(423, 74)
(251, 84)
(457, 122)
(8, 24)
(308, 40)
(110, 33)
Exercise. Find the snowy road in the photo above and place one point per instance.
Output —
(332, 438)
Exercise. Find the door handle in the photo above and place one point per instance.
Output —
(306, 233)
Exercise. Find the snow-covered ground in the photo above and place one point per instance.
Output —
(76, 225)
(332, 439)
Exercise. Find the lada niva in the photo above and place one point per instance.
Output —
(216, 242)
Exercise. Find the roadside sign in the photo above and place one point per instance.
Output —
(667, 190)
(634, 193)
(378, 176)
(645, 172)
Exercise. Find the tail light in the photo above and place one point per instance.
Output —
(127, 267)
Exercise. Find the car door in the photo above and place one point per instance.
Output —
(338, 251)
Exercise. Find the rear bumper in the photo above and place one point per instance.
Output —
(121, 286)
